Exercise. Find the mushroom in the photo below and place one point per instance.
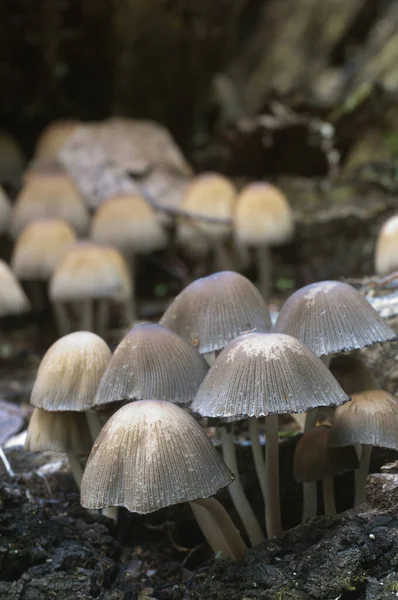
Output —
(53, 137)
(152, 454)
(5, 211)
(314, 459)
(263, 218)
(13, 300)
(130, 224)
(370, 419)
(352, 374)
(260, 375)
(386, 253)
(60, 432)
(69, 374)
(152, 362)
(89, 273)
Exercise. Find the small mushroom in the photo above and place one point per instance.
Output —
(153, 454)
(13, 300)
(386, 254)
(352, 374)
(314, 459)
(53, 137)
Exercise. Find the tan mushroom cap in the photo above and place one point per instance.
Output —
(370, 418)
(53, 137)
(314, 459)
(266, 373)
(39, 248)
(150, 455)
(88, 270)
(386, 256)
(352, 374)
(331, 317)
(70, 372)
(152, 362)
(5, 211)
(130, 224)
(213, 310)
(13, 300)
(58, 431)
(49, 193)
(263, 216)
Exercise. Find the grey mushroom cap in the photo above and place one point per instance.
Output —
(150, 455)
(352, 374)
(370, 418)
(331, 317)
(152, 362)
(259, 374)
(213, 310)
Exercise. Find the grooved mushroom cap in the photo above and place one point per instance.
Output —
(49, 194)
(213, 310)
(370, 418)
(70, 372)
(53, 137)
(130, 224)
(386, 256)
(13, 300)
(263, 216)
(5, 211)
(58, 431)
(314, 459)
(150, 455)
(259, 374)
(352, 374)
(88, 270)
(39, 248)
(152, 362)
(331, 317)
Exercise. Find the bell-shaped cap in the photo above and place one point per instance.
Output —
(213, 310)
(70, 372)
(152, 362)
(352, 374)
(314, 458)
(259, 374)
(13, 300)
(150, 455)
(58, 431)
(370, 418)
(331, 317)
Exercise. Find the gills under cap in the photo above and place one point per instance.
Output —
(150, 455)
(259, 374)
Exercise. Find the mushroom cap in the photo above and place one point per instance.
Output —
(152, 362)
(53, 137)
(213, 310)
(5, 211)
(130, 224)
(58, 431)
(208, 195)
(331, 317)
(314, 459)
(266, 373)
(39, 247)
(370, 418)
(150, 455)
(13, 300)
(88, 270)
(263, 216)
(70, 372)
(49, 194)
(386, 253)
(352, 374)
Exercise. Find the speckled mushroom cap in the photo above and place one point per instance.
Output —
(314, 459)
(352, 374)
(331, 317)
(152, 362)
(58, 431)
(13, 300)
(150, 455)
(70, 372)
(213, 310)
(259, 374)
(53, 137)
(39, 248)
(370, 418)
(386, 254)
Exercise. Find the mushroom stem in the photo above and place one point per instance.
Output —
(310, 501)
(62, 318)
(6, 463)
(94, 424)
(300, 419)
(263, 258)
(102, 317)
(237, 493)
(272, 506)
(75, 467)
(222, 259)
(328, 496)
(218, 527)
(111, 512)
(362, 474)
(259, 462)
(86, 315)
